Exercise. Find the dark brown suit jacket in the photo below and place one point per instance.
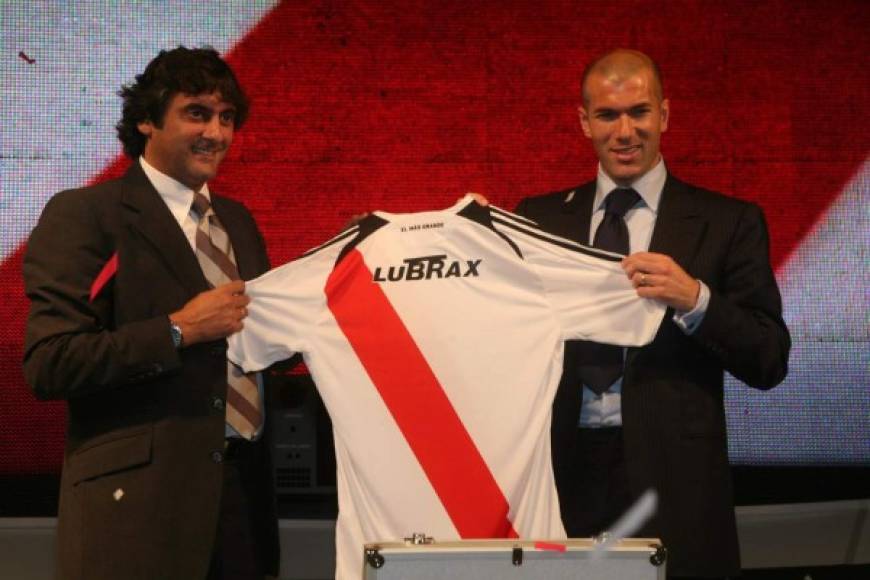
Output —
(672, 396)
(142, 473)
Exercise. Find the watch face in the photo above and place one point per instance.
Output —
(175, 331)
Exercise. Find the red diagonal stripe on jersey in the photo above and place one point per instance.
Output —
(417, 401)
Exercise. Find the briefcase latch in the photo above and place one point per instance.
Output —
(658, 557)
(517, 556)
(418, 539)
(374, 558)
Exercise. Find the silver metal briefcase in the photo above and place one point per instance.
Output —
(420, 558)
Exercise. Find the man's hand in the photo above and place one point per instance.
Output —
(355, 219)
(479, 198)
(213, 314)
(658, 276)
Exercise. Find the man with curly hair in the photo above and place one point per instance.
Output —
(134, 285)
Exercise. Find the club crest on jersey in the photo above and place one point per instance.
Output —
(426, 268)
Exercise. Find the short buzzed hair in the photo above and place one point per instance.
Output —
(622, 63)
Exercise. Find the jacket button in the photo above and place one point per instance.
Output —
(217, 404)
(217, 456)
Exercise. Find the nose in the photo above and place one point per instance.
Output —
(623, 127)
(212, 128)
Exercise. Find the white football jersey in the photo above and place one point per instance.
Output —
(435, 340)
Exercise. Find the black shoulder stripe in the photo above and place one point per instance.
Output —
(483, 215)
(510, 242)
(366, 227)
(342, 236)
(561, 242)
(515, 217)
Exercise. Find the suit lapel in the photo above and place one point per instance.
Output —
(583, 198)
(678, 232)
(149, 215)
(679, 226)
(577, 213)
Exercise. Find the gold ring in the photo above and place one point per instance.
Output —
(643, 279)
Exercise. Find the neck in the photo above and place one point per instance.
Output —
(154, 163)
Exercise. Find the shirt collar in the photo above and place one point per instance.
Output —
(649, 186)
(178, 197)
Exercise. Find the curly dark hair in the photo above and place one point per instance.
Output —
(190, 71)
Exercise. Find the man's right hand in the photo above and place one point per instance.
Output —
(213, 314)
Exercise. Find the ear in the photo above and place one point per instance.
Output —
(146, 128)
(584, 121)
(666, 113)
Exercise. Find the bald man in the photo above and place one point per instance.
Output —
(627, 420)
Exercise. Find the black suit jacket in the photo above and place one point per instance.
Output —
(672, 396)
(142, 473)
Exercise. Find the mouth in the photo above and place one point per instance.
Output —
(626, 154)
(205, 151)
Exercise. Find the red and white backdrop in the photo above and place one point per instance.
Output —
(405, 105)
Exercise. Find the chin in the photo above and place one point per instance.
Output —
(204, 173)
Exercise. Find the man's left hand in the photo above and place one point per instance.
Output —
(658, 276)
(479, 198)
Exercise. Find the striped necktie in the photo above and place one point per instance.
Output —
(217, 260)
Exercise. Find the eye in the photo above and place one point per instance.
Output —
(606, 115)
(197, 113)
(228, 117)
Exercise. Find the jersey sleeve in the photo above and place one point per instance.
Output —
(588, 290)
(286, 303)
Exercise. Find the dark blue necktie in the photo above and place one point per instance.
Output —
(600, 365)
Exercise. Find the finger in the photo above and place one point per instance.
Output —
(355, 219)
(632, 267)
(632, 263)
(645, 262)
(645, 279)
(638, 279)
(656, 292)
(236, 303)
(234, 287)
(479, 198)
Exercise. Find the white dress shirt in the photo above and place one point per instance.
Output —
(605, 410)
(178, 198)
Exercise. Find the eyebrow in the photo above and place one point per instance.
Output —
(209, 108)
(643, 105)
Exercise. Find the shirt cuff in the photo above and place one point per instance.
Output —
(691, 320)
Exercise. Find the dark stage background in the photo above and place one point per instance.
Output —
(405, 106)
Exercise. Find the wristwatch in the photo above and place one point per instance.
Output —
(175, 332)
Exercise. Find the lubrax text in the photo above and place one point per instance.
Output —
(426, 268)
